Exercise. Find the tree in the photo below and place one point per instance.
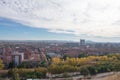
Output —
(116, 66)
(43, 63)
(64, 56)
(11, 65)
(41, 72)
(23, 65)
(16, 76)
(1, 64)
(56, 60)
(55, 69)
(82, 55)
(92, 70)
(84, 71)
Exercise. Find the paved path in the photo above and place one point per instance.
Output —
(102, 76)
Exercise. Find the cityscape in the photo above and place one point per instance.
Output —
(59, 39)
(22, 51)
(33, 54)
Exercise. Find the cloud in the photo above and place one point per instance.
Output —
(78, 17)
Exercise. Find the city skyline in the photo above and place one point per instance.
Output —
(60, 20)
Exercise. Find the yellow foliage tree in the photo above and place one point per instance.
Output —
(1, 64)
(56, 60)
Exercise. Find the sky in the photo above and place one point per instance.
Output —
(96, 20)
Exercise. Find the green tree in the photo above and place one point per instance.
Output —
(11, 65)
(81, 55)
(84, 70)
(43, 63)
(92, 70)
(65, 56)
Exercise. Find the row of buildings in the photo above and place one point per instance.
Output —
(19, 55)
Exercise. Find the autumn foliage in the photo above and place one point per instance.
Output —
(90, 65)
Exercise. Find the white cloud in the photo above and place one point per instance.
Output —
(89, 17)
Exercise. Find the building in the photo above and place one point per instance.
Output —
(18, 57)
(82, 43)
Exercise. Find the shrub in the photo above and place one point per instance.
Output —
(65, 74)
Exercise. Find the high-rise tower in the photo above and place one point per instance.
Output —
(82, 42)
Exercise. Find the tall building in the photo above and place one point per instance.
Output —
(18, 57)
(82, 43)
